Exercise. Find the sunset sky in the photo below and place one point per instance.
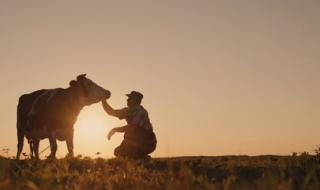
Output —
(218, 77)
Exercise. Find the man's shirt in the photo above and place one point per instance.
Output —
(137, 117)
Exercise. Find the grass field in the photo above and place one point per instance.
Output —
(296, 172)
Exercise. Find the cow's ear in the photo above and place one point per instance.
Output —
(80, 77)
(73, 83)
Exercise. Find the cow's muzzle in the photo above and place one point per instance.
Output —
(107, 94)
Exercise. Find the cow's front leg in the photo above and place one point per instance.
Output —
(53, 145)
(36, 144)
(30, 141)
(69, 141)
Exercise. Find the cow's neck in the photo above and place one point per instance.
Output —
(76, 101)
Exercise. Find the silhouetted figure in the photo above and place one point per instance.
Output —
(139, 138)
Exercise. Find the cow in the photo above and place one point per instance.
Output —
(51, 113)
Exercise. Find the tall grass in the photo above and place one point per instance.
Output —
(296, 172)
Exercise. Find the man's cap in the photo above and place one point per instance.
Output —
(135, 94)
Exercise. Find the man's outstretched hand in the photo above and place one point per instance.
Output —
(106, 107)
(111, 132)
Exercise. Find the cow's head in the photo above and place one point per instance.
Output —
(89, 91)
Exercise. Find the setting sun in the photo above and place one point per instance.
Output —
(91, 125)
(90, 132)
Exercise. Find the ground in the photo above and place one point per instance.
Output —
(224, 172)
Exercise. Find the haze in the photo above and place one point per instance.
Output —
(218, 77)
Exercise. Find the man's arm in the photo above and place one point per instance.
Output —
(117, 113)
(121, 129)
(117, 129)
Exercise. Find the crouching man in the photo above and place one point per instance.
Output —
(139, 138)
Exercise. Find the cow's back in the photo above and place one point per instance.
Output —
(47, 110)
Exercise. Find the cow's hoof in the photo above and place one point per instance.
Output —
(69, 155)
(34, 158)
(51, 157)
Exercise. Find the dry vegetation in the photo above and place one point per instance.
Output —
(296, 172)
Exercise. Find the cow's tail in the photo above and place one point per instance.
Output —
(21, 119)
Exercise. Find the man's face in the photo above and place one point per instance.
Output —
(131, 102)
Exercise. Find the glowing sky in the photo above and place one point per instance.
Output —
(219, 77)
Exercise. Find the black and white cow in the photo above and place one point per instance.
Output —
(51, 113)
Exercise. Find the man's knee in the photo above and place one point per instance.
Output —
(118, 152)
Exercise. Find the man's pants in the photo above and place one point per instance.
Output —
(136, 144)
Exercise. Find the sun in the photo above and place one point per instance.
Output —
(90, 132)
(90, 125)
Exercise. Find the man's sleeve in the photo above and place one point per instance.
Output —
(121, 113)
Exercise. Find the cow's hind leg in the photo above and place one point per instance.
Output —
(20, 135)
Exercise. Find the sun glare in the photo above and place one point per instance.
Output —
(90, 132)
